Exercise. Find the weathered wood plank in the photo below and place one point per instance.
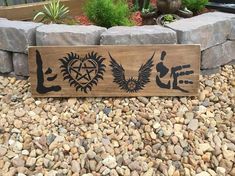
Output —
(27, 11)
(115, 71)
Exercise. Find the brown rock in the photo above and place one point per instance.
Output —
(18, 162)
(3, 151)
(1, 164)
(19, 112)
(206, 157)
(232, 173)
(31, 161)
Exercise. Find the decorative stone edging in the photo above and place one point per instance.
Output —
(208, 29)
(218, 55)
(16, 36)
(60, 34)
(122, 35)
(215, 32)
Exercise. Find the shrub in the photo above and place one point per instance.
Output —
(108, 13)
(195, 5)
(53, 12)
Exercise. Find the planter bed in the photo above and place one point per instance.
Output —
(215, 31)
(27, 11)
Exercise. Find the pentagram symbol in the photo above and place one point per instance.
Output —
(83, 72)
(132, 85)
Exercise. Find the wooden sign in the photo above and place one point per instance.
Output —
(115, 71)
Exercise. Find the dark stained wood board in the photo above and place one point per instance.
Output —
(115, 71)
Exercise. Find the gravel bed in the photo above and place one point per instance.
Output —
(119, 136)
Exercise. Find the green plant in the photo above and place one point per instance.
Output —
(108, 13)
(147, 10)
(54, 12)
(146, 4)
(195, 5)
(141, 5)
(168, 18)
(136, 6)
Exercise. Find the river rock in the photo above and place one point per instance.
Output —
(193, 124)
(110, 162)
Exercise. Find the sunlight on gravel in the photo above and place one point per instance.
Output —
(119, 136)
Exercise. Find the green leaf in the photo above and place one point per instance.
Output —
(54, 12)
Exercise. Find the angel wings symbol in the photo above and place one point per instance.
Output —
(131, 84)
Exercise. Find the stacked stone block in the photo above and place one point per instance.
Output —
(138, 35)
(15, 38)
(214, 31)
(5, 62)
(68, 35)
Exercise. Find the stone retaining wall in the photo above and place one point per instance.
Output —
(215, 32)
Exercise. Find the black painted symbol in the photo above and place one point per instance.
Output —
(40, 77)
(175, 74)
(131, 84)
(83, 72)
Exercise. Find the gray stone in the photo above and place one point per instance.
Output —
(16, 36)
(209, 29)
(121, 35)
(5, 62)
(2, 3)
(110, 162)
(232, 34)
(50, 138)
(15, 2)
(20, 63)
(12, 74)
(218, 55)
(232, 62)
(59, 34)
(231, 17)
(210, 71)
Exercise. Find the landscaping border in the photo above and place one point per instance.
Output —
(27, 11)
(215, 31)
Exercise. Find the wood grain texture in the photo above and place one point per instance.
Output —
(27, 11)
(131, 58)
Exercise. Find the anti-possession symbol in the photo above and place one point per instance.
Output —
(83, 72)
